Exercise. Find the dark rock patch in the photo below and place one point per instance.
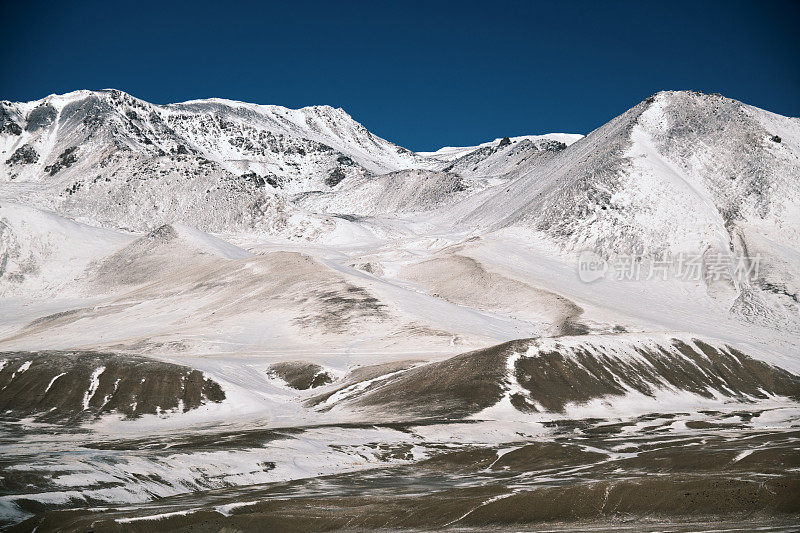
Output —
(454, 388)
(572, 327)
(274, 181)
(336, 310)
(335, 177)
(551, 146)
(25, 154)
(66, 159)
(72, 189)
(42, 116)
(7, 122)
(300, 374)
(254, 178)
(72, 386)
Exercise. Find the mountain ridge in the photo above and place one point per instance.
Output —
(445, 301)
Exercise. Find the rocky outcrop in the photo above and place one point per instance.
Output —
(66, 159)
(25, 155)
(300, 374)
(75, 386)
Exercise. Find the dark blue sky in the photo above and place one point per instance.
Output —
(422, 74)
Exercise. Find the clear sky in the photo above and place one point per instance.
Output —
(422, 74)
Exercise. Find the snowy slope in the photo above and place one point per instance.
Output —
(507, 157)
(109, 159)
(41, 252)
(679, 169)
(404, 191)
(682, 172)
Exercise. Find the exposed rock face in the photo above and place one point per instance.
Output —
(65, 159)
(63, 386)
(335, 177)
(7, 122)
(41, 117)
(122, 162)
(25, 155)
(300, 374)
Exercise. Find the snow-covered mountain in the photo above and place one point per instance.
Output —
(111, 159)
(256, 294)
(682, 172)
(681, 169)
(221, 165)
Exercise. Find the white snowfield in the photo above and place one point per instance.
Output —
(228, 237)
